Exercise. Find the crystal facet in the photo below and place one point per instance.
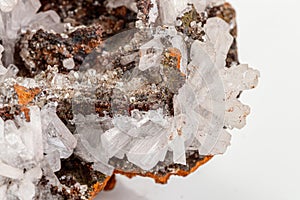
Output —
(146, 87)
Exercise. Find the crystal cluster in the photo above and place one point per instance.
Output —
(19, 15)
(147, 87)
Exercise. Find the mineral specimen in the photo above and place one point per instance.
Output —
(90, 89)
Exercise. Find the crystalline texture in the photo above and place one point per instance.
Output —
(33, 139)
(20, 157)
(146, 153)
(218, 35)
(10, 172)
(7, 5)
(199, 106)
(150, 59)
(131, 4)
(113, 141)
(89, 145)
(164, 94)
(26, 187)
(171, 9)
(56, 134)
(19, 17)
(24, 146)
(54, 159)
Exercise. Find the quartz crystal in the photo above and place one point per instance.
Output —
(146, 87)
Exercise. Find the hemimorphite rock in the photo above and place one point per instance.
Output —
(154, 101)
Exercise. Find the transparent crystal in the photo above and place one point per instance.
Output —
(53, 158)
(19, 16)
(218, 36)
(7, 5)
(171, 9)
(21, 153)
(130, 4)
(147, 152)
(33, 139)
(194, 96)
(56, 134)
(9, 72)
(151, 54)
(10, 172)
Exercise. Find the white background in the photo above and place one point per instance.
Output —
(263, 162)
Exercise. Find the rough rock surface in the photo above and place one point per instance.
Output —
(98, 88)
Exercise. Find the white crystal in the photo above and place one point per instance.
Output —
(3, 70)
(199, 106)
(32, 137)
(130, 4)
(222, 143)
(69, 63)
(10, 72)
(179, 149)
(55, 132)
(95, 155)
(114, 141)
(12, 150)
(33, 174)
(22, 147)
(236, 114)
(47, 172)
(10, 172)
(3, 189)
(147, 152)
(7, 5)
(218, 35)
(144, 140)
(207, 89)
(20, 18)
(26, 190)
(153, 12)
(20, 183)
(60, 81)
(89, 145)
(238, 78)
(151, 54)
(171, 9)
(26, 187)
(53, 159)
